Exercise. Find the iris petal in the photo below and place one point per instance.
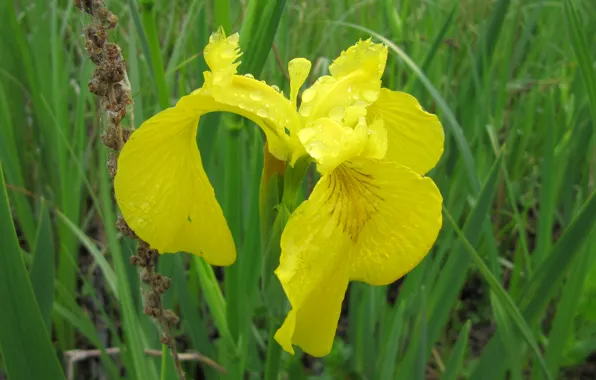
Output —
(354, 83)
(415, 137)
(248, 96)
(163, 191)
(313, 273)
(403, 221)
(367, 220)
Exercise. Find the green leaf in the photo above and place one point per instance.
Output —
(43, 268)
(387, 358)
(25, 344)
(582, 52)
(257, 33)
(501, 294)
(453, 368)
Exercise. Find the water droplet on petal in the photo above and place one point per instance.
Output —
(305, 109)
(261, 112)
(249, 76)
(256, 96)
(370, 95)
(337, 112)
(275, 88)
(308, 95)
(227, 54)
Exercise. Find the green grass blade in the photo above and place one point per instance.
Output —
(453, 275)
(453, 368)
(221, 10)
(99, 257)
(25, 344)
(387, 359)
(544, 282)
(582, 52)
(438, 41)
(549, 275)
(43, 268)
(257, 33)
(506, 301)
(150, 27)
(563, 322)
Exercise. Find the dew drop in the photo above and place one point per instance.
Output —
(275, 88)
(305, 109)
(249, 76)
(256, 96)
(261, 112)
(309, 95)
(337, 112)
(370, 95)
(227, 54)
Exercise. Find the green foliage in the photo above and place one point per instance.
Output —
(505, 292)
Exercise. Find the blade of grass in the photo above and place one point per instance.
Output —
(150, 28)
(543, 283)
(453, 368)
(582, 52)
(25, 344)
(452, 277)
(506, 301)
(43, 268)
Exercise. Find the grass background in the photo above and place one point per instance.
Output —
(505, 293)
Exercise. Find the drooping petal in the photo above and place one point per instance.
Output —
(400, 223)
(247, 95)
(163, 191)
(313, 272)
(375, 217)
(354, 83)
(415, 137)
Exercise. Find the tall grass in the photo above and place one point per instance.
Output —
(505, 291)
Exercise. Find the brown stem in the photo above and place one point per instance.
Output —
(111, 85)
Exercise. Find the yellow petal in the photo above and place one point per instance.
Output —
(373, 217)
(298, 69)
(415, 137)
(163, 191)
(354, 83)
(246, 96)
(314, 274)
(400, 218)
(330, 143)
(221, 54)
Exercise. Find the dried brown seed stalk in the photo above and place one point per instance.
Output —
(111, 85)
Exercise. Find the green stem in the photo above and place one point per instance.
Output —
(273, 355)
(233, 274)
(148, 18)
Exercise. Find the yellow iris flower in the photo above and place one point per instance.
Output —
(371, 217)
